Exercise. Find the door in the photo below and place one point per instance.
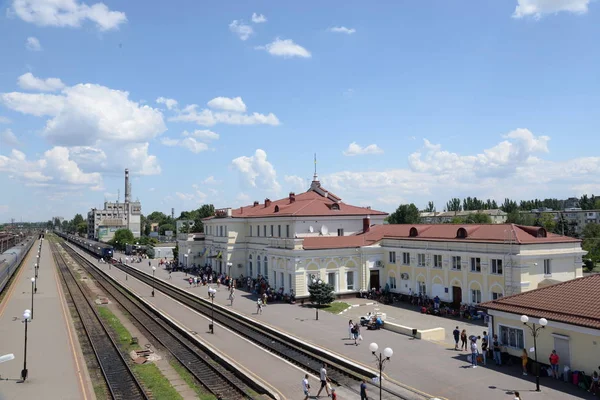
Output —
(561, 345)
(456, 296)
(374, 279)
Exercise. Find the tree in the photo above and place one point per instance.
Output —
(205, 211)
(162, 229)
(121, 238)
(405, 214)
(82, 228)
(454, 205)
(176, 252)
(546, 221)
(430, 207)
(65, 226)
(321, 293)
(478, 218)
(591, 241)
(509, 206)
(49, 224)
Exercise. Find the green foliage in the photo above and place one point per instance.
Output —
(176, 252)
(591, 241)
(509, 206)
(405, 214)
(321, 293)
(121, 238)
(475, 218)
(546, 220)
(454, 205)
(430, 207)
(166, 227)
(82, 228)
(520, 218)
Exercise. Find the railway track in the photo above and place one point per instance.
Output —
(306, 357)
(218, 378)
(121, 382)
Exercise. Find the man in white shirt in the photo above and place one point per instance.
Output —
(324, 379)
(305, 387)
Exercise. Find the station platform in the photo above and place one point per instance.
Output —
(283, 377)
(434, 368)
(56, 369)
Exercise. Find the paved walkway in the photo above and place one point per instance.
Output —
(430, 367)
(55, 371)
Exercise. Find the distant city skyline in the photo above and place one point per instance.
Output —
(403, 103)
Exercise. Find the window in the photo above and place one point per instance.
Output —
(422, 288)
(392, 282)
(272, 230)
(475, 264)
(406, 258)
(221, 230)
(282, 278)
(258, 230)
(290, 286)
(456, 262)
(266, 268)
(341, 232)
(392, 257)
(275, 279)
(331, 280)
(496, 296)
(437, 261)
(547, 267)
(287, 231)
(511, 337)
(497, 266)
(258, 265)
(278, 230)
(225, 230)
(250, 265)
(420, 260)
(350, 280)
(250, 230)
(475, 296)
(264, 230)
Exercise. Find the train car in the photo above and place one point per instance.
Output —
(99, 249)
(11, 259)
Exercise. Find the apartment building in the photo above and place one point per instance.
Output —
(497, 216)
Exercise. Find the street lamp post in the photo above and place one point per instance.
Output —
(317, 307)
(153, 270)
(535, 332)
(381, 359)
(26, 320)
(211, 294)
(35, 268)
(32, 291)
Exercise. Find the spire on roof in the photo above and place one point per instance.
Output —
(315, 177)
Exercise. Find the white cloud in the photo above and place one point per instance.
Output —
(235, 104)
(170, 103)
(195, 197)
(59, 165)
(206, 117)
(355, 149)
(7, 137)
(242, 30)
(210, 181)
(342, 29)
(285, 48)
(29, 82)
(295, 183)
(537, 8)
(256, 172)
(188, 143)
(202, 134)
(98, 111)
(258, 18)
(242, 199)
(69, 13)
(4, 120)
(33, 44)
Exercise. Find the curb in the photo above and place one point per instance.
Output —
(356, 305)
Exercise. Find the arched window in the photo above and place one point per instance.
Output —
(541, 233)
(461, 233)
(413, 232)
(335, 206)
(276, 208)
(250, 265)
(266, 268)
(258, 265)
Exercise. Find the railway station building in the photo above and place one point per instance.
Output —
(315, 235)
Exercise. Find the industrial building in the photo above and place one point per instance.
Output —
(103, 223)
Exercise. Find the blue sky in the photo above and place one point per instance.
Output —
(402, 101)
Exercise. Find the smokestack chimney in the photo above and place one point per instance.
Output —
(127, 187)
(292, 197)
(255, 203)
(267, 202)
(366, 224)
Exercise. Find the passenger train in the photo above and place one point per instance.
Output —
(11, 258)
(99, 249)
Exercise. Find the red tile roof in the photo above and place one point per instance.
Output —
(317, 202)
(573, 302)
(499, 233)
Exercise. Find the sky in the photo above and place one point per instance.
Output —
(227, 102)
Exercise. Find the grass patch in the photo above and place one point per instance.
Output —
(154, 381)
(336, 307)
(100, 391)
(116, 325)
(190, 380)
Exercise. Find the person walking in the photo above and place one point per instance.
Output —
(324, 379)
(518, 396)
(170, 271)
(306, 387)
(259, 306)
(554, 360)
(497, 351)
(231, 296)
(594, 389)
(357, 335)
(463, 340)
(456, 334)
(350, 326)
(524, 359)
(474, 353)
(363, 390)
(333, 394)
(484, 347)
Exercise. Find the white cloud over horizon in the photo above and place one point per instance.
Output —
(257, 172)
(29, 82)
(285, 48)
(228, 104)
(355, 149)
(342, 29)
(7, 137)
(33, 44)
(539, 8)
(242, 30)
(258, 18)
